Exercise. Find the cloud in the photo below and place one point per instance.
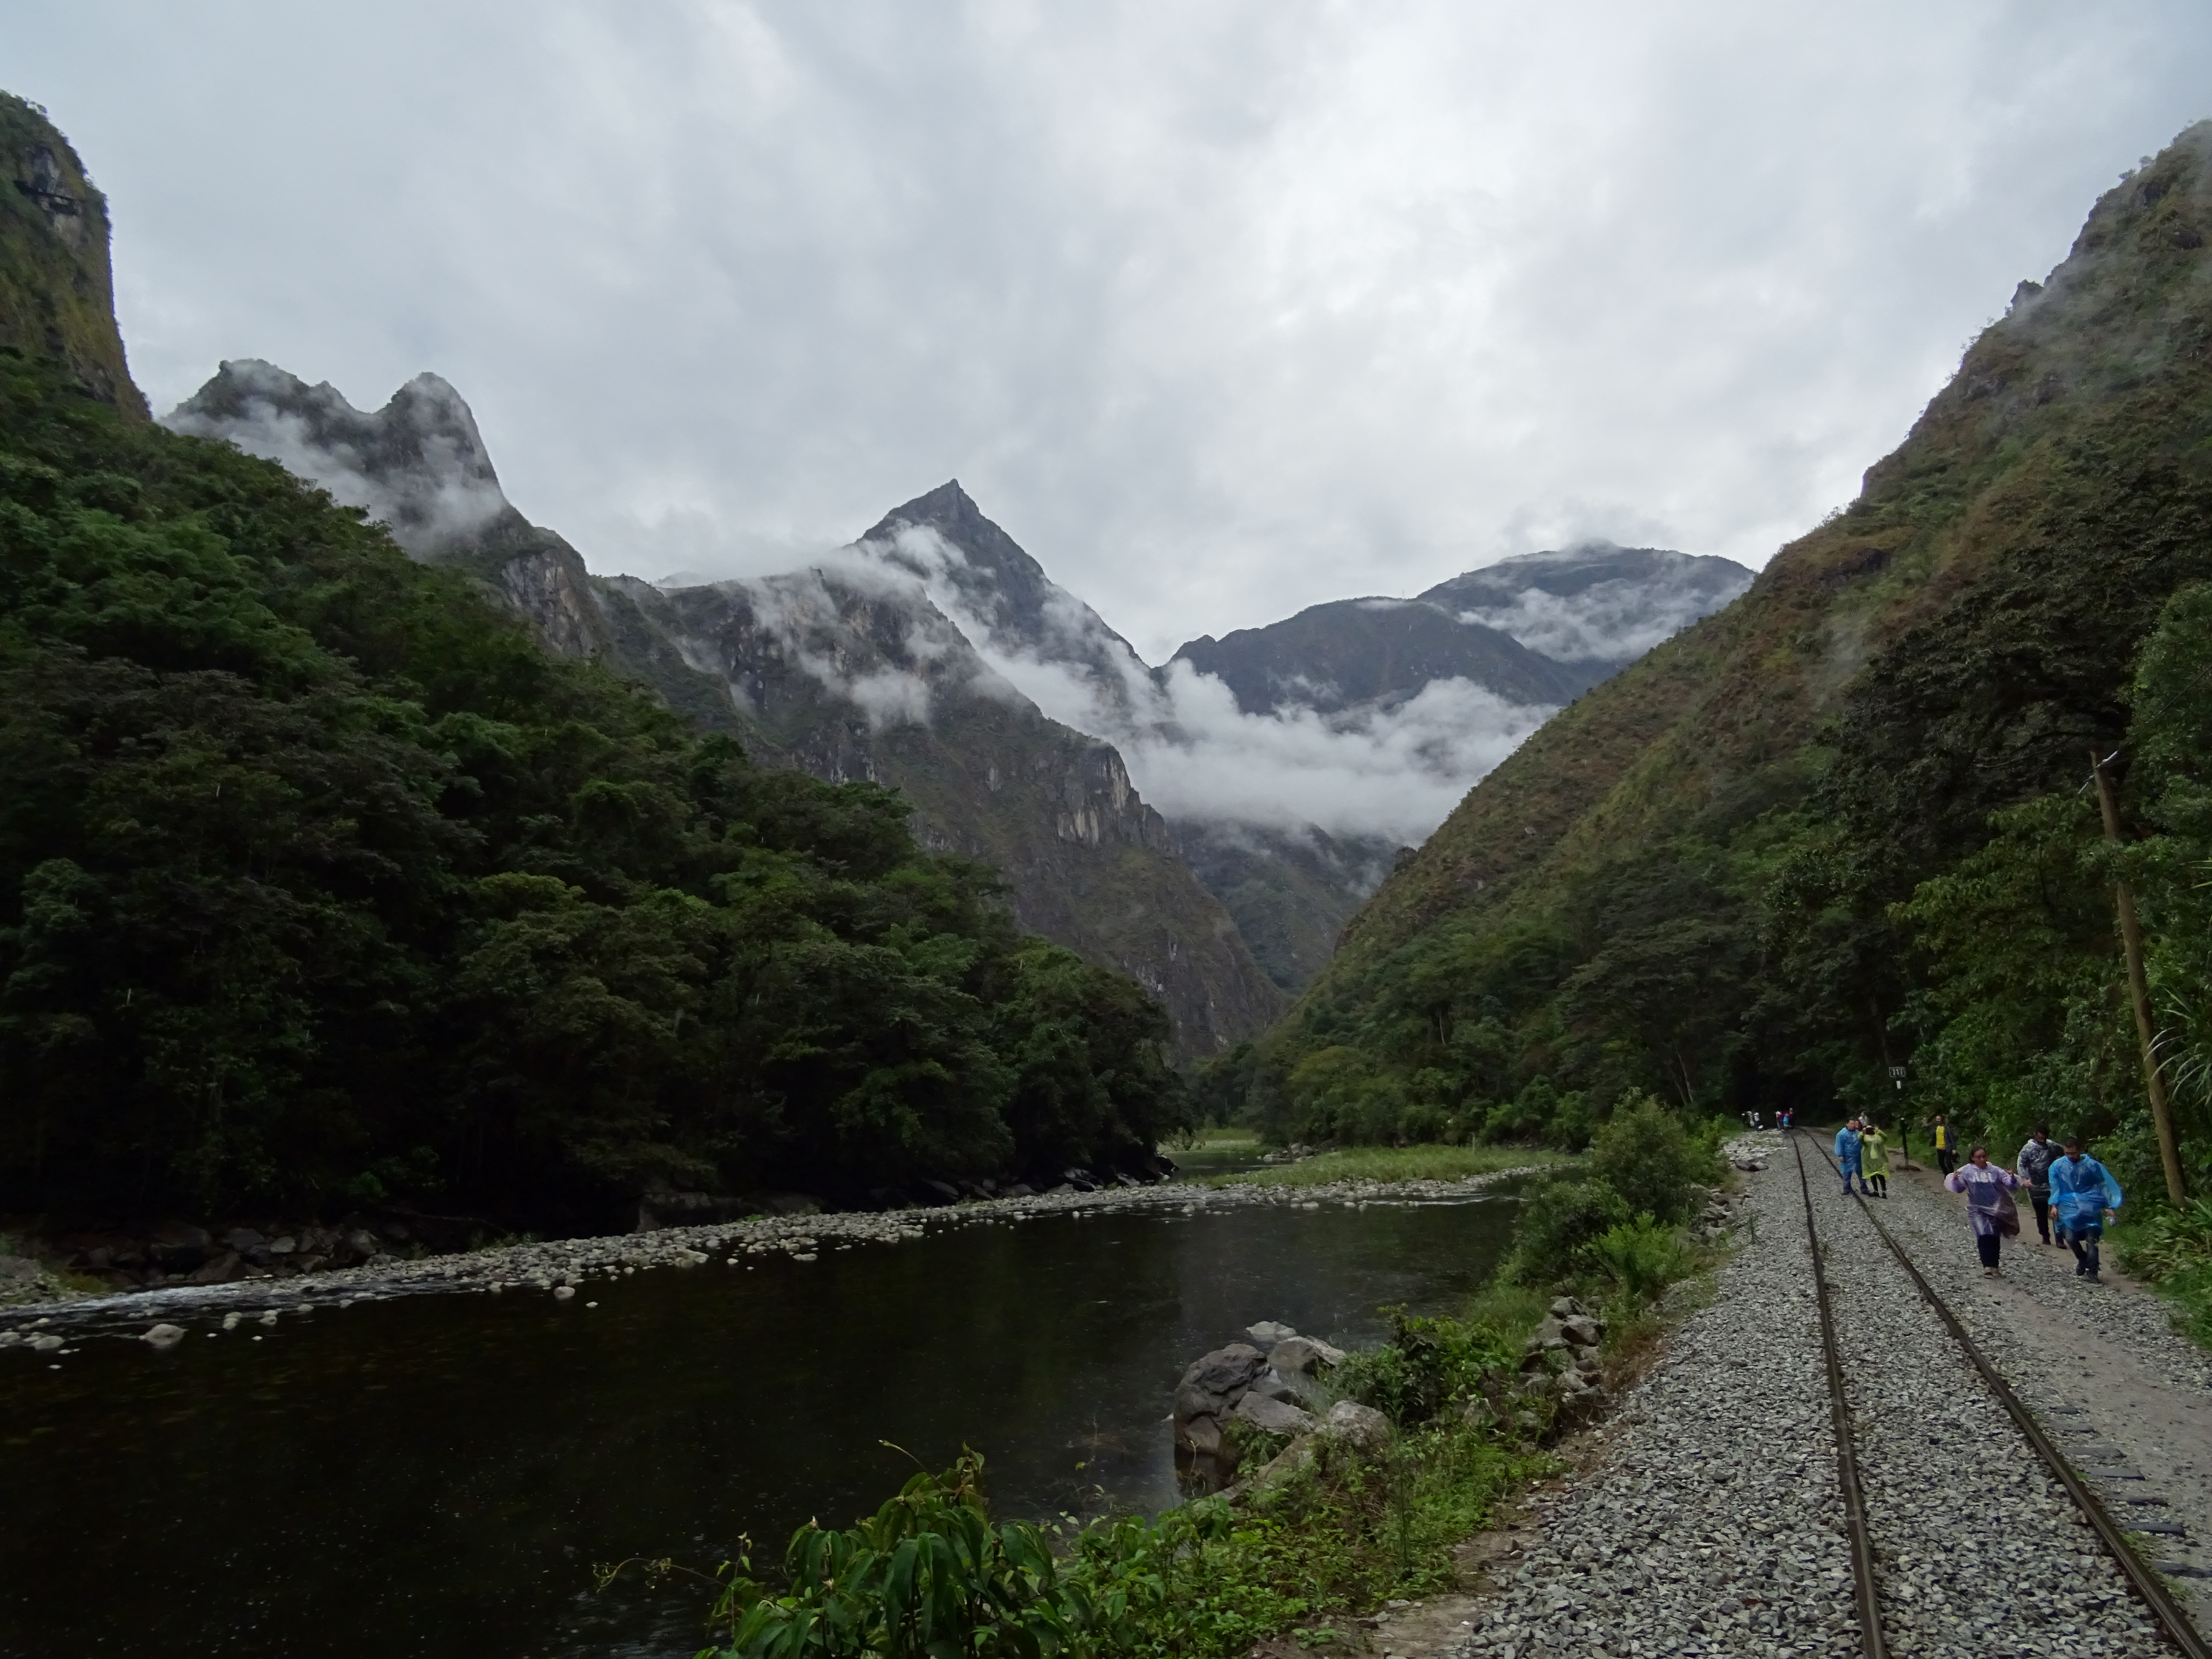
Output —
(1611, 622)
(1393, 770)
(1221, 310)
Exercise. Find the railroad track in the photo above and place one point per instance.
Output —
(2149, 1587)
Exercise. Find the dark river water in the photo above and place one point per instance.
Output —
(435, 1474)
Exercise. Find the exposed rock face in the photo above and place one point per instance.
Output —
(56, 295)
(849, 670)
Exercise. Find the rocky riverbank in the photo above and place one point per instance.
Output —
(566, 1267)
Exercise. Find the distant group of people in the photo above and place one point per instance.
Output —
(2072, 1194)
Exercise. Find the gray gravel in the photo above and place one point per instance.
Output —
(1714, 1524)
(2114, 1384)
(1980, 1550)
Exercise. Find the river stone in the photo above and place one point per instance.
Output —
(1202, 1432)
(1552, 1333)
(1301, 1356)
(1361, 1427)
(1225, 1371)
(1271, 1384)
(224, 1269)
(164, 1336)
(1269, 1332)
(1273, 1415)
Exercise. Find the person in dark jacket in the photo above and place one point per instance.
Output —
(2034, 1166)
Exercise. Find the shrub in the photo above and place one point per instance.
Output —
(1642, 1256)
(1426, 1365)
(1559, 1219)
(1646, 1155)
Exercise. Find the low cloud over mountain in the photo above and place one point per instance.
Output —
(1291, 761)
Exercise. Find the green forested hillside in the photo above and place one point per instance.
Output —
(322, 884)
(1840, 825)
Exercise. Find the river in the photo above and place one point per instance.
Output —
(436, 1475)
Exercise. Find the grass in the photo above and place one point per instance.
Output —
(1391, 1163)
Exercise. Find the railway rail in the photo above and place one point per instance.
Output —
(2159, 1600)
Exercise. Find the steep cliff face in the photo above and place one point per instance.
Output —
(849, 670)
(57, 293)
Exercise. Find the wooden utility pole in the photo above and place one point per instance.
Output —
(2169, 1152)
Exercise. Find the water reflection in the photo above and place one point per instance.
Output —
(435, 1474)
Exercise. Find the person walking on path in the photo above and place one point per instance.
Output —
(1847, 1154)
(2082, 1193)
(1873, 1160)
(2034, 1166)
(1947, 1156)
(1989, 1208)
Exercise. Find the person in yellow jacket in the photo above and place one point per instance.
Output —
(1873, 1160)
(1947, 1152)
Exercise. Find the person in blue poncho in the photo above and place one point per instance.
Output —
(1847, 1154)
(2082, 1193)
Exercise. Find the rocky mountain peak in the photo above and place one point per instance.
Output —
(1015, 615)
(418, 465)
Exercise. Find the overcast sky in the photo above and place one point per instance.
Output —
(1220, 309)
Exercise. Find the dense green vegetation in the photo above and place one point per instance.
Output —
(1843, 825)
(322, 885)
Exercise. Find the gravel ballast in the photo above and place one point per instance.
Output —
(1714, 1523)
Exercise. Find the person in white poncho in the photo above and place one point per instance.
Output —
(1990, 1209)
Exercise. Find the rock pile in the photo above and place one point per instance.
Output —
(1239, 1383)
(1559, 1368)
(1715, 1220)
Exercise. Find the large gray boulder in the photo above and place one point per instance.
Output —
(1301, 1356)
(1214, 1384)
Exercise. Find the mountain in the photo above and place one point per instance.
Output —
(328, 894)
(1594, 608)
(1441, 685)
(1374, 651)
(1697, 878)
(849, 670)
